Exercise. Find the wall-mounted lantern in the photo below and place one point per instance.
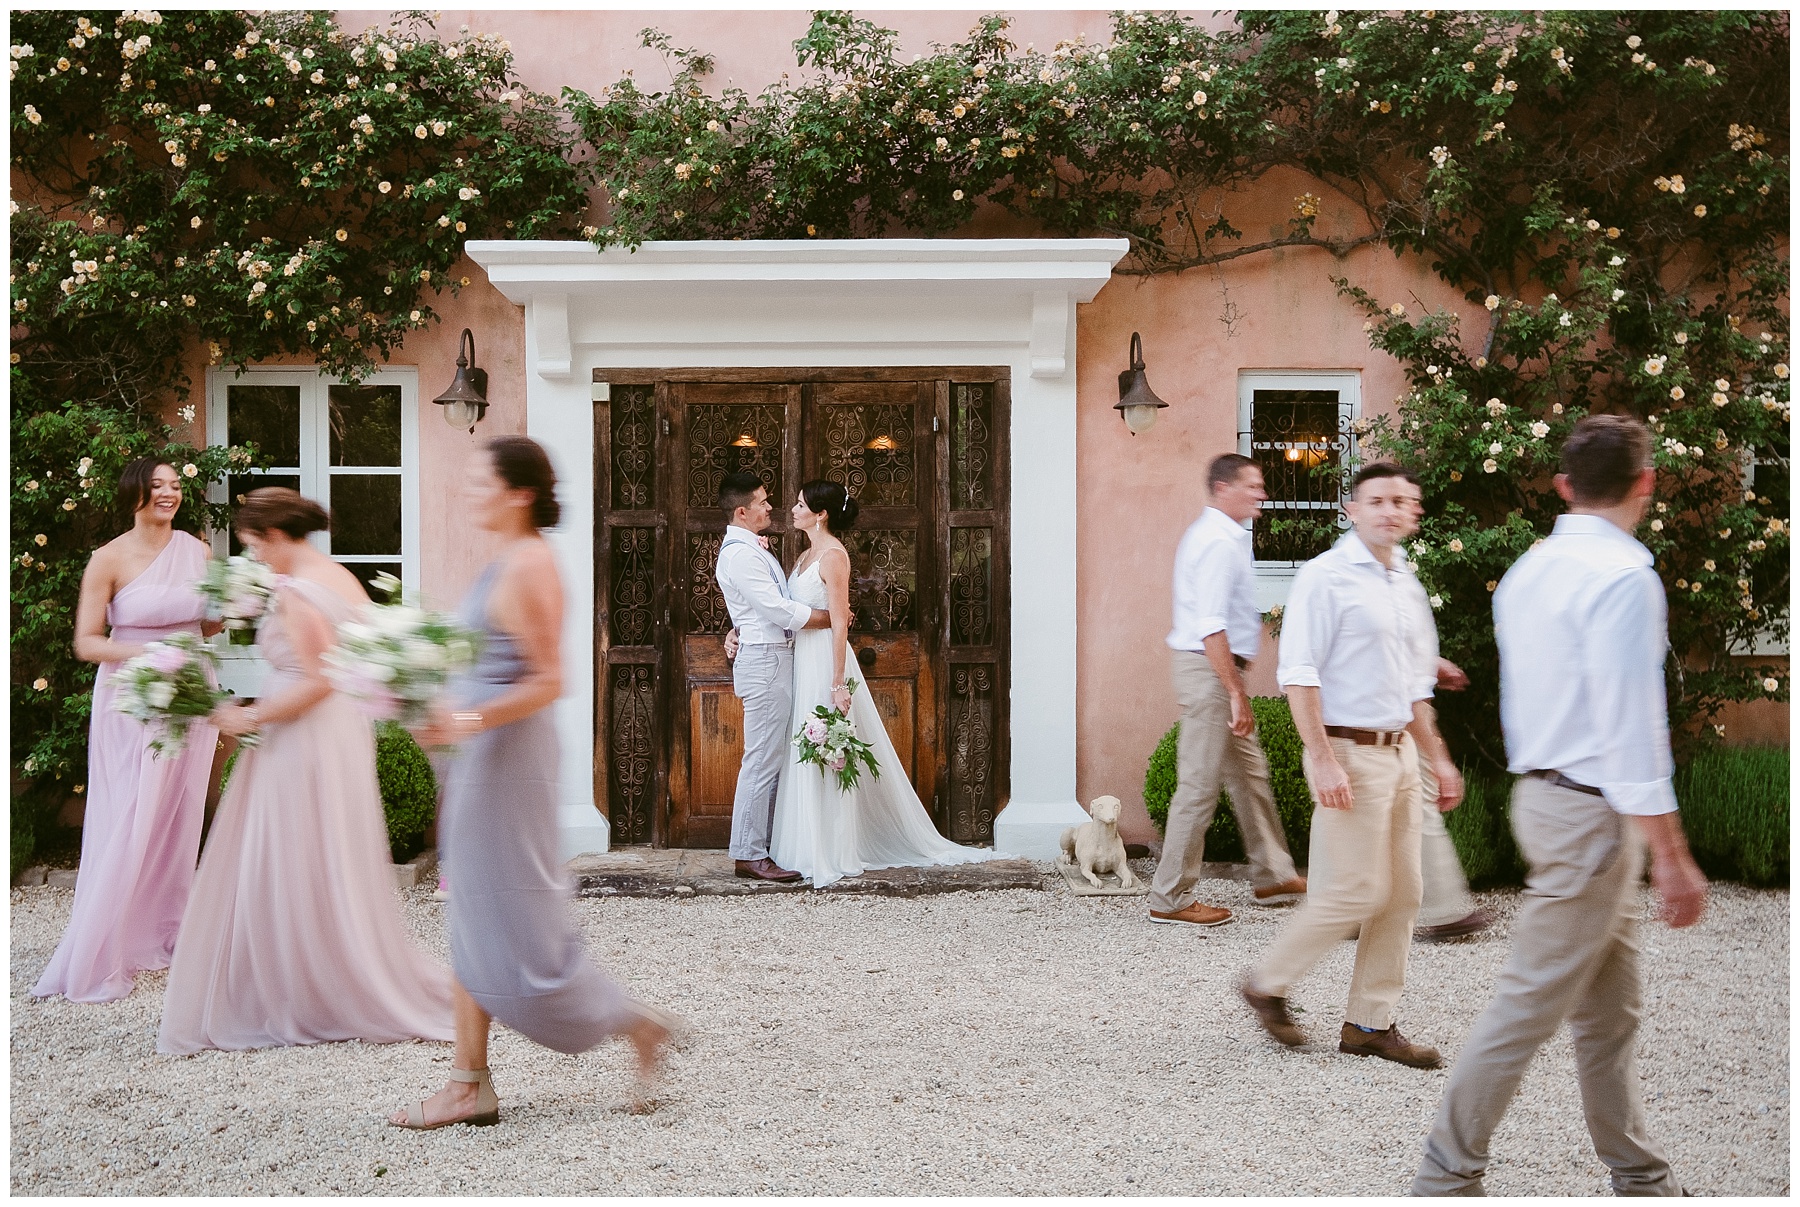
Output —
(465, 402)
(1137, 403)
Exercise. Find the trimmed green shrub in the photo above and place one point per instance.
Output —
(1481, 829)
(1734, 807)
(1281, 744)
(408, 788)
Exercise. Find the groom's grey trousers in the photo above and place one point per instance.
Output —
(763, 678)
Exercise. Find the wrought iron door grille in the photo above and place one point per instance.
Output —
(1304, 443)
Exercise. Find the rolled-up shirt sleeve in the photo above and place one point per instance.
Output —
(1206, 591)
(1424, 646)
(1306, 627)
(1623, 665)
(756, 579)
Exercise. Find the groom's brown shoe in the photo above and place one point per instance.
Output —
(765, 869)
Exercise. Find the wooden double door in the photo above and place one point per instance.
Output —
(923, 453)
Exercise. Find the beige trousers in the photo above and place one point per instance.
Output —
(1362, 872)
(1574, 957)
(1209, 757)
(1446, 896)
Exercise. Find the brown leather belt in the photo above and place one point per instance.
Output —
(1366, 737)
(1558, 780)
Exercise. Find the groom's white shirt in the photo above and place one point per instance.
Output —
(756, 592)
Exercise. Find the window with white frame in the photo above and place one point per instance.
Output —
(1298, 427)
(352, 448)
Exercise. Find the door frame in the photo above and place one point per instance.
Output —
(668, 719)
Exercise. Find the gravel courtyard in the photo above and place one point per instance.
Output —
(988, 1043)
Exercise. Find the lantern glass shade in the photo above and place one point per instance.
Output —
(1140, 418)
(460, 413)
(882, 444)
(744, 440)
(465, 401)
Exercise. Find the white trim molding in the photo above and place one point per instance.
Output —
(829, 303)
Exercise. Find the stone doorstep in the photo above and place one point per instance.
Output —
(648, 872)
(417, 870)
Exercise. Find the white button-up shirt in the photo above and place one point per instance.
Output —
(1362, 634)
(1215, 586)
(756, 592)
(1583, 629)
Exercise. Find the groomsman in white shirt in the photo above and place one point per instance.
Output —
(1359, 671)
(761, 644)
(1582, 625)
(1217, 632)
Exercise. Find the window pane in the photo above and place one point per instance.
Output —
(883, 578)
(365, 425)
(365, 574)
(1298, 439)
(239, 485)
(365, 513)
(971, 447)
(266, 416)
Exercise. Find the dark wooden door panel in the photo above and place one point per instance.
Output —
(924, 454)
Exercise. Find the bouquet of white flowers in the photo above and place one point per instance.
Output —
(828, 740)
(397, 663)
(237, 590)
(167, 687)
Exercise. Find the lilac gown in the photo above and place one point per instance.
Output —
(293, 934)
(141, 830)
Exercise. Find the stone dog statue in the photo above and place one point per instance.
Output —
(1095, 846)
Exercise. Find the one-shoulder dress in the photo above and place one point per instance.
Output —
(293, 933)
(513, 940)
(141, 829)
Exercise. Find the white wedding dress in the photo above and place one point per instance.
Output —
(823, 832)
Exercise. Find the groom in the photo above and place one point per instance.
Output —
(756, 594)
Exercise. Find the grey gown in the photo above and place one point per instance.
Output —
(513, 941)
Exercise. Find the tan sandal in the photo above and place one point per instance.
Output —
(487, 1105)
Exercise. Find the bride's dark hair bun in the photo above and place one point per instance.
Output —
(833, 501)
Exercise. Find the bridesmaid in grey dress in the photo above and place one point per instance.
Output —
(513, 942)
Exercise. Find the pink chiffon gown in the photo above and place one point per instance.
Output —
(141, 829)
(293, 933)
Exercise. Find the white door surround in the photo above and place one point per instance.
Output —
(828, 303)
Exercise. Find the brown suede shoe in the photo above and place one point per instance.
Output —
(1278, 894)
(765, 869)
(1195, 914)
(1272, 1013)
(1389, 1045)
(1478, 921)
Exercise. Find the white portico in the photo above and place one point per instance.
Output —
(828, 303)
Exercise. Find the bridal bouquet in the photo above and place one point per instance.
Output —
(168, 688)
(828, 740)
(237, 590)
(397, 663)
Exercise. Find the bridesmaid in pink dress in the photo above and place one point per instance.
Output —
(293, 934)
(141, 829)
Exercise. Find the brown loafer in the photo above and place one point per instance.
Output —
(1272, 1013)
(1195, 915)
(1277, 894)
(765, 869)
(1478, 921)
(1389, 1045)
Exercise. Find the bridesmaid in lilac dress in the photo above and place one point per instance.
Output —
(293, 934)
(141, 829)
(513, 940)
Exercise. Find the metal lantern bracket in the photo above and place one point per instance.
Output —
(466, 399)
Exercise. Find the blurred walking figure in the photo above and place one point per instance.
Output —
(513, 942)
(1217, 633)
(1582, 625)
(1359, 662)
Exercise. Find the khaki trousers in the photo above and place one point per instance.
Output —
(1362, 872)
(1209, 757)
(1446, 896)
(1574, 957)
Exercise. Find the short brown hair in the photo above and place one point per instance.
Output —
(279, 509)
(736, 490)
(1603, 457)
(1225, 469)
(1382, 469)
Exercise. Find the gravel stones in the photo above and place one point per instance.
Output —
(1007, 1042)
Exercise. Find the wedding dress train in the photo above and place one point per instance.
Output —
(823, 832)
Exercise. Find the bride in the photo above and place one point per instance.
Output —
(821, 831)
